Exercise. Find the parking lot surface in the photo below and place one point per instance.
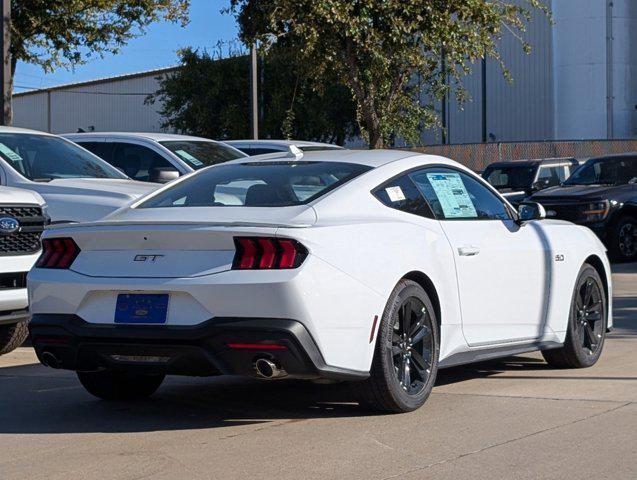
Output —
(514, 418)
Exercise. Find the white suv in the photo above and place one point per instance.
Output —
(76, 185)
(22, 220)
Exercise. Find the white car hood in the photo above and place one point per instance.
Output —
(102, 187)
(10, 195)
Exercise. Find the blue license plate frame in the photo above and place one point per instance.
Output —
(142, 308)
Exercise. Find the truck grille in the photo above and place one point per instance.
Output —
(27, 240)
(564, 211)
(11, 281)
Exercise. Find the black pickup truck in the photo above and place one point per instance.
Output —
(517, 179)
(601, 194)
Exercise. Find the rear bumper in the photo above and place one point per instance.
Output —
(200, 350)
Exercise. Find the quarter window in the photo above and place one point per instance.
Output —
(552, 176)
(455, 195)
(401, 193)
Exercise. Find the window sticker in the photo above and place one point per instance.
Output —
(185, 155)
(14, 157)
(395, 194)
(452, 195)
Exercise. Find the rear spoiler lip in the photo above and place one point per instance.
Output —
(98, 224)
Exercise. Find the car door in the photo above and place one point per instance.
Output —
(502, 267)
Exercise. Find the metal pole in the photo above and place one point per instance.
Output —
(254, 99)
(610, 94)
(484, 100)
(5, 68)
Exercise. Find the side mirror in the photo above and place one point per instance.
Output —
(162, 175)
(528, 211)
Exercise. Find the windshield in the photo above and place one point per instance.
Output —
(510, 177)
(257, 184)
(604, 171)
(200, 154)
(42, 158)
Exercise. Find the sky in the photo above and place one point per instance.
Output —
(156, 48)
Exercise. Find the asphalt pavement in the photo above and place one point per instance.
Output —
(510, 419)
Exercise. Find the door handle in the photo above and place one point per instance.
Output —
(468, 251)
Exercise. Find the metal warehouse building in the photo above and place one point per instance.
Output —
(580, 82)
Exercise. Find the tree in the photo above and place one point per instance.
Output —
(65, 33)
(208, 96)
(378, 48)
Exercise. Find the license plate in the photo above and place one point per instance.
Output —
(141, 308)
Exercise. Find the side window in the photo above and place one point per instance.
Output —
(401, 194)
(101, 149)
(258, 150)
(552, 175)
(137, 161)
(455, 195)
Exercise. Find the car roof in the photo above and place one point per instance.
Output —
(23, 130)
(296, 143)
(531, 162)
(154, 136)
(371, 158)
(617, 156)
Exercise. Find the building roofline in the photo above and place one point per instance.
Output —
(97, 81)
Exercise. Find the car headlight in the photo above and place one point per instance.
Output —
(596, 211)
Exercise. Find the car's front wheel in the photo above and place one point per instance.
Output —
(112, 385)
(623, 247)
(406, 357)
(586, 329)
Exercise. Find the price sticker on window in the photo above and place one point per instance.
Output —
(453, 195)
(395, 194)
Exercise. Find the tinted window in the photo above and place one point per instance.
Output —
(43, 158)
(510, 177)
(199, 154)
(401, 194)
(605, 171)
(101, 149)
(257, 184)
(552, 176)
(137, 161)
(258, 151)
(455, 195)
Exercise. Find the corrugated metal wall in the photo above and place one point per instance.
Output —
(112, 105)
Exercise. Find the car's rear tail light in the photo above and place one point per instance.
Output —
(267, 253)
(58, 253)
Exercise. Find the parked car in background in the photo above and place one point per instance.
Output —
(155, 157)
(262, 147)
(376, 267)
(600, 194)
(518, 179)
(76, 185)
(22, 220)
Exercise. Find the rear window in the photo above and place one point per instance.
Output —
(257, 184)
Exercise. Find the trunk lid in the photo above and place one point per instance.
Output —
(152, 243)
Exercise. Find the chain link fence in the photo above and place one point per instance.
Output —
(478, 155)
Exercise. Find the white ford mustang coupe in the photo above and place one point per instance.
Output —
(376, 267)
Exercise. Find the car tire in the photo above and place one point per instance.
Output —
(112, 385)
(587, 324)
(405, 360)
(623, 239)
(12, 336)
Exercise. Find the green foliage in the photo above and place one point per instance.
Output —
(208, 96)
(377, 48)
(64, 33)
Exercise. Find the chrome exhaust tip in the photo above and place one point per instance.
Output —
(266, 368)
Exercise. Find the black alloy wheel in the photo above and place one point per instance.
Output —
(587, 323)
(412, 345)
(405, 360)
